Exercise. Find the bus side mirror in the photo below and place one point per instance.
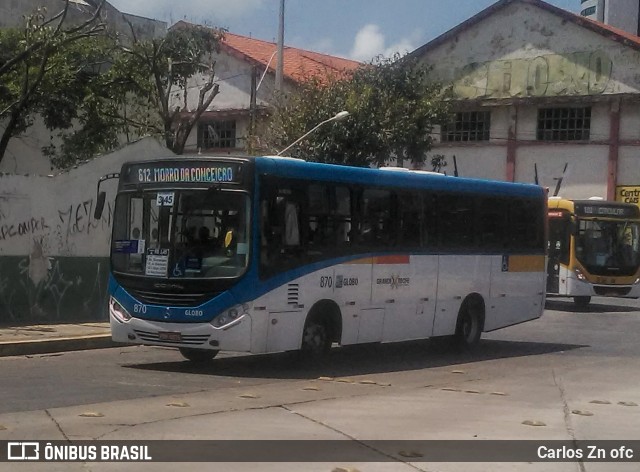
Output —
(101, 196)
(97, 214)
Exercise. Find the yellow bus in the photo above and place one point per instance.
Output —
(594, 249)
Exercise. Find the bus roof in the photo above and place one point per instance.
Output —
(288, 167)
(393, 177)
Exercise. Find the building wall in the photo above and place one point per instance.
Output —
(53, 253)
(234, 99)
(24, 153)
(622, 14)
(523, 58)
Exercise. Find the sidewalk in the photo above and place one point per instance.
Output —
(44, 339)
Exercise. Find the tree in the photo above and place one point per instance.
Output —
(393, 107)
(34, 61)
(159, 73)
(93, 88)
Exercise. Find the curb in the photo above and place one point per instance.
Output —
(49, 346)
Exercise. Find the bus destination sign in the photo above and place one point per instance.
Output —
(178, 173)
(607, 210)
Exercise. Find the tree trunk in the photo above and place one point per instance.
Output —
(7, 134)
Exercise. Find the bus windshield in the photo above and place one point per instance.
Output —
(608, 247)
(181, 233)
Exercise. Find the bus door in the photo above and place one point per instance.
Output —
(403, 284)
(558, 249)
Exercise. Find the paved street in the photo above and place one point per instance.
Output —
(574, 374)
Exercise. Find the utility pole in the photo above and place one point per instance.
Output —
(280, 63)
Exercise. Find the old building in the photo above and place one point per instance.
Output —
(538, 87)
(245, 69)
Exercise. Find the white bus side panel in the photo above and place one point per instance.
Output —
(517, 290)
(280, 315)
(352, 292)
(405, 286)
(281, 329)
(459, 276)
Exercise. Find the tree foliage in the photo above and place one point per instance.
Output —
(94, 89)
(393, 107)
(143, 91)
(39, 63)
(159, 73)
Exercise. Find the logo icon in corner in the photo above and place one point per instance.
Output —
(23, 451)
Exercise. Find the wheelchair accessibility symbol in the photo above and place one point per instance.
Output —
(505, 263)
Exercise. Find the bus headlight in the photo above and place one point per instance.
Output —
(228, 317)
(580, 275)
(118, 311)
(637, 281)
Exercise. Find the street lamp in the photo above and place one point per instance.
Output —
(338, 117)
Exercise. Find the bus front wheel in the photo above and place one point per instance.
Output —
(198, 355)
(582, 301)
(315, 339)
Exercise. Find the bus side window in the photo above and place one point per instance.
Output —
(492, 220)
(410, 219)
(456, 218)
(270, 231)
(524, 225)
(376, 229)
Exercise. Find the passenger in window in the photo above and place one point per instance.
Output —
(292, 229)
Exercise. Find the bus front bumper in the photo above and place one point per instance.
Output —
(234, 337)
(579, 288)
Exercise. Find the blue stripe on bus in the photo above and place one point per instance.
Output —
(250, 287)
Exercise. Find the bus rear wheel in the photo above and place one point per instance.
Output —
(198, 355)
(315, 340)
(469, 326)
(582, 301)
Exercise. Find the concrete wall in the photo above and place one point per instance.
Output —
(53, 254)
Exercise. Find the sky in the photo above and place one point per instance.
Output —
(355, 29)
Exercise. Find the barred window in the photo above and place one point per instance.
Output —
(564, 124)
(468, 126)
(217, 134)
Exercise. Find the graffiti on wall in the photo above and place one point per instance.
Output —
(67, 223)
(37, 287)
(46, 289)
(578, 73)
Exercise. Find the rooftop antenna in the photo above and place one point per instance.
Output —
(455, 166)
(559, 180)
(535, 173)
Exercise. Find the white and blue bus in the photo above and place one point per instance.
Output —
(271, 254)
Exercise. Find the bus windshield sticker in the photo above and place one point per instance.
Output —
(184, 173)
(157, 262)
(164, 199)
(129, 246)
